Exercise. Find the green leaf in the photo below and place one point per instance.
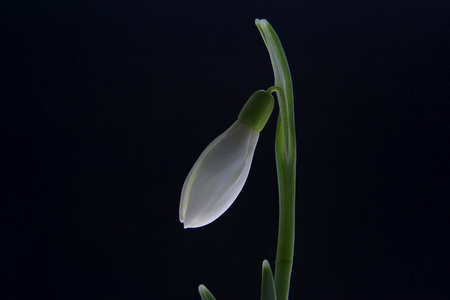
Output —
(267, 283)
(205, 293)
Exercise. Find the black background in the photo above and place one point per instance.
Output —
(107, 105)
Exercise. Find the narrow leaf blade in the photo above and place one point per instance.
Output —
(267, 283)
(205, 293)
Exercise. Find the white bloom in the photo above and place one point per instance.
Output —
(218, 176)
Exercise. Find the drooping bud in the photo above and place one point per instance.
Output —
(219, 174)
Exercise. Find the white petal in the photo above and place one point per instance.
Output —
(218, 176)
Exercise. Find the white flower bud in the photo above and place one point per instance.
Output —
(219, 174)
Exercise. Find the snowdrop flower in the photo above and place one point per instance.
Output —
(219, 174)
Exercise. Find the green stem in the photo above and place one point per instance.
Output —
(285, 153)
(274, 89)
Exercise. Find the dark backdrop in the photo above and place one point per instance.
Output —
(107, 105)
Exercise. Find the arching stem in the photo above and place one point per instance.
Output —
(286, 155)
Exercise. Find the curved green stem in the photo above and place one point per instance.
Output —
(274, 89)
(286, 155)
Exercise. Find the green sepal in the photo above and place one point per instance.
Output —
(205, 293)
(267, 283)
(257, 109)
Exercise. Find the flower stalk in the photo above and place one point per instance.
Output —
(286, 156)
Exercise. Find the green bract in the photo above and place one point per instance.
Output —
(257, 110)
